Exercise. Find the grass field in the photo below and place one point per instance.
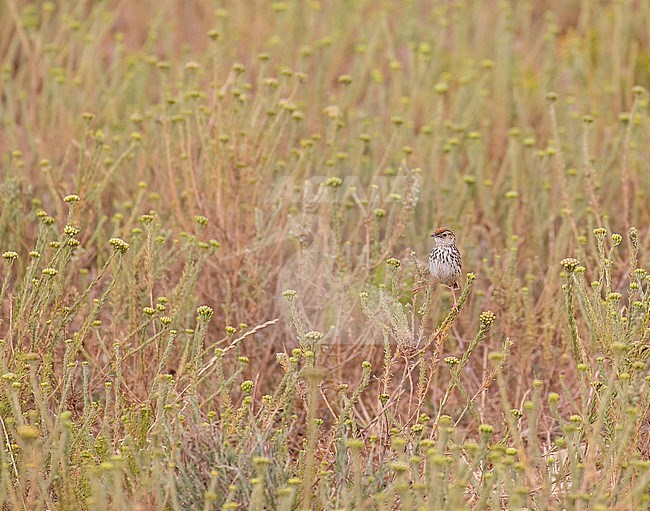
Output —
(213, 218)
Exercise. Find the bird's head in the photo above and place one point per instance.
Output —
(443, 236)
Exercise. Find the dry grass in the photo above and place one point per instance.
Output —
(213, 221)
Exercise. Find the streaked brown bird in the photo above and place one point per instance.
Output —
(445, 262)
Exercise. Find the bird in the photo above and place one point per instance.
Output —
(445, 261)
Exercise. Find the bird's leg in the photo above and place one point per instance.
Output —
(453, 293)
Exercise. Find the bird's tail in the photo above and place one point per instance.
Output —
(456, 286)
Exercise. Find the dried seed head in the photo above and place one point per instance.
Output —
(71, 199)
(487, 318)
(289, 293)
(119, 245)
(486, 429)
(417, 428)
(247, 386)
(393, 263)
(204, 312)
(334, 182)
(71, 230)
(314, 335)
(569, 264)
(10, 256)
(28, 433)
(600, 232)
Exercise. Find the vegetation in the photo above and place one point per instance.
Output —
(213, 220)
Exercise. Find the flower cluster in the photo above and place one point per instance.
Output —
(10, 255)
(393, 263)
(570, 264)
(119, 245)
(204, 312)
(71, 199)
(487, 318)
(289, 293)
(314, 335)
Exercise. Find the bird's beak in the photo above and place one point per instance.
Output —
(433, 235)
